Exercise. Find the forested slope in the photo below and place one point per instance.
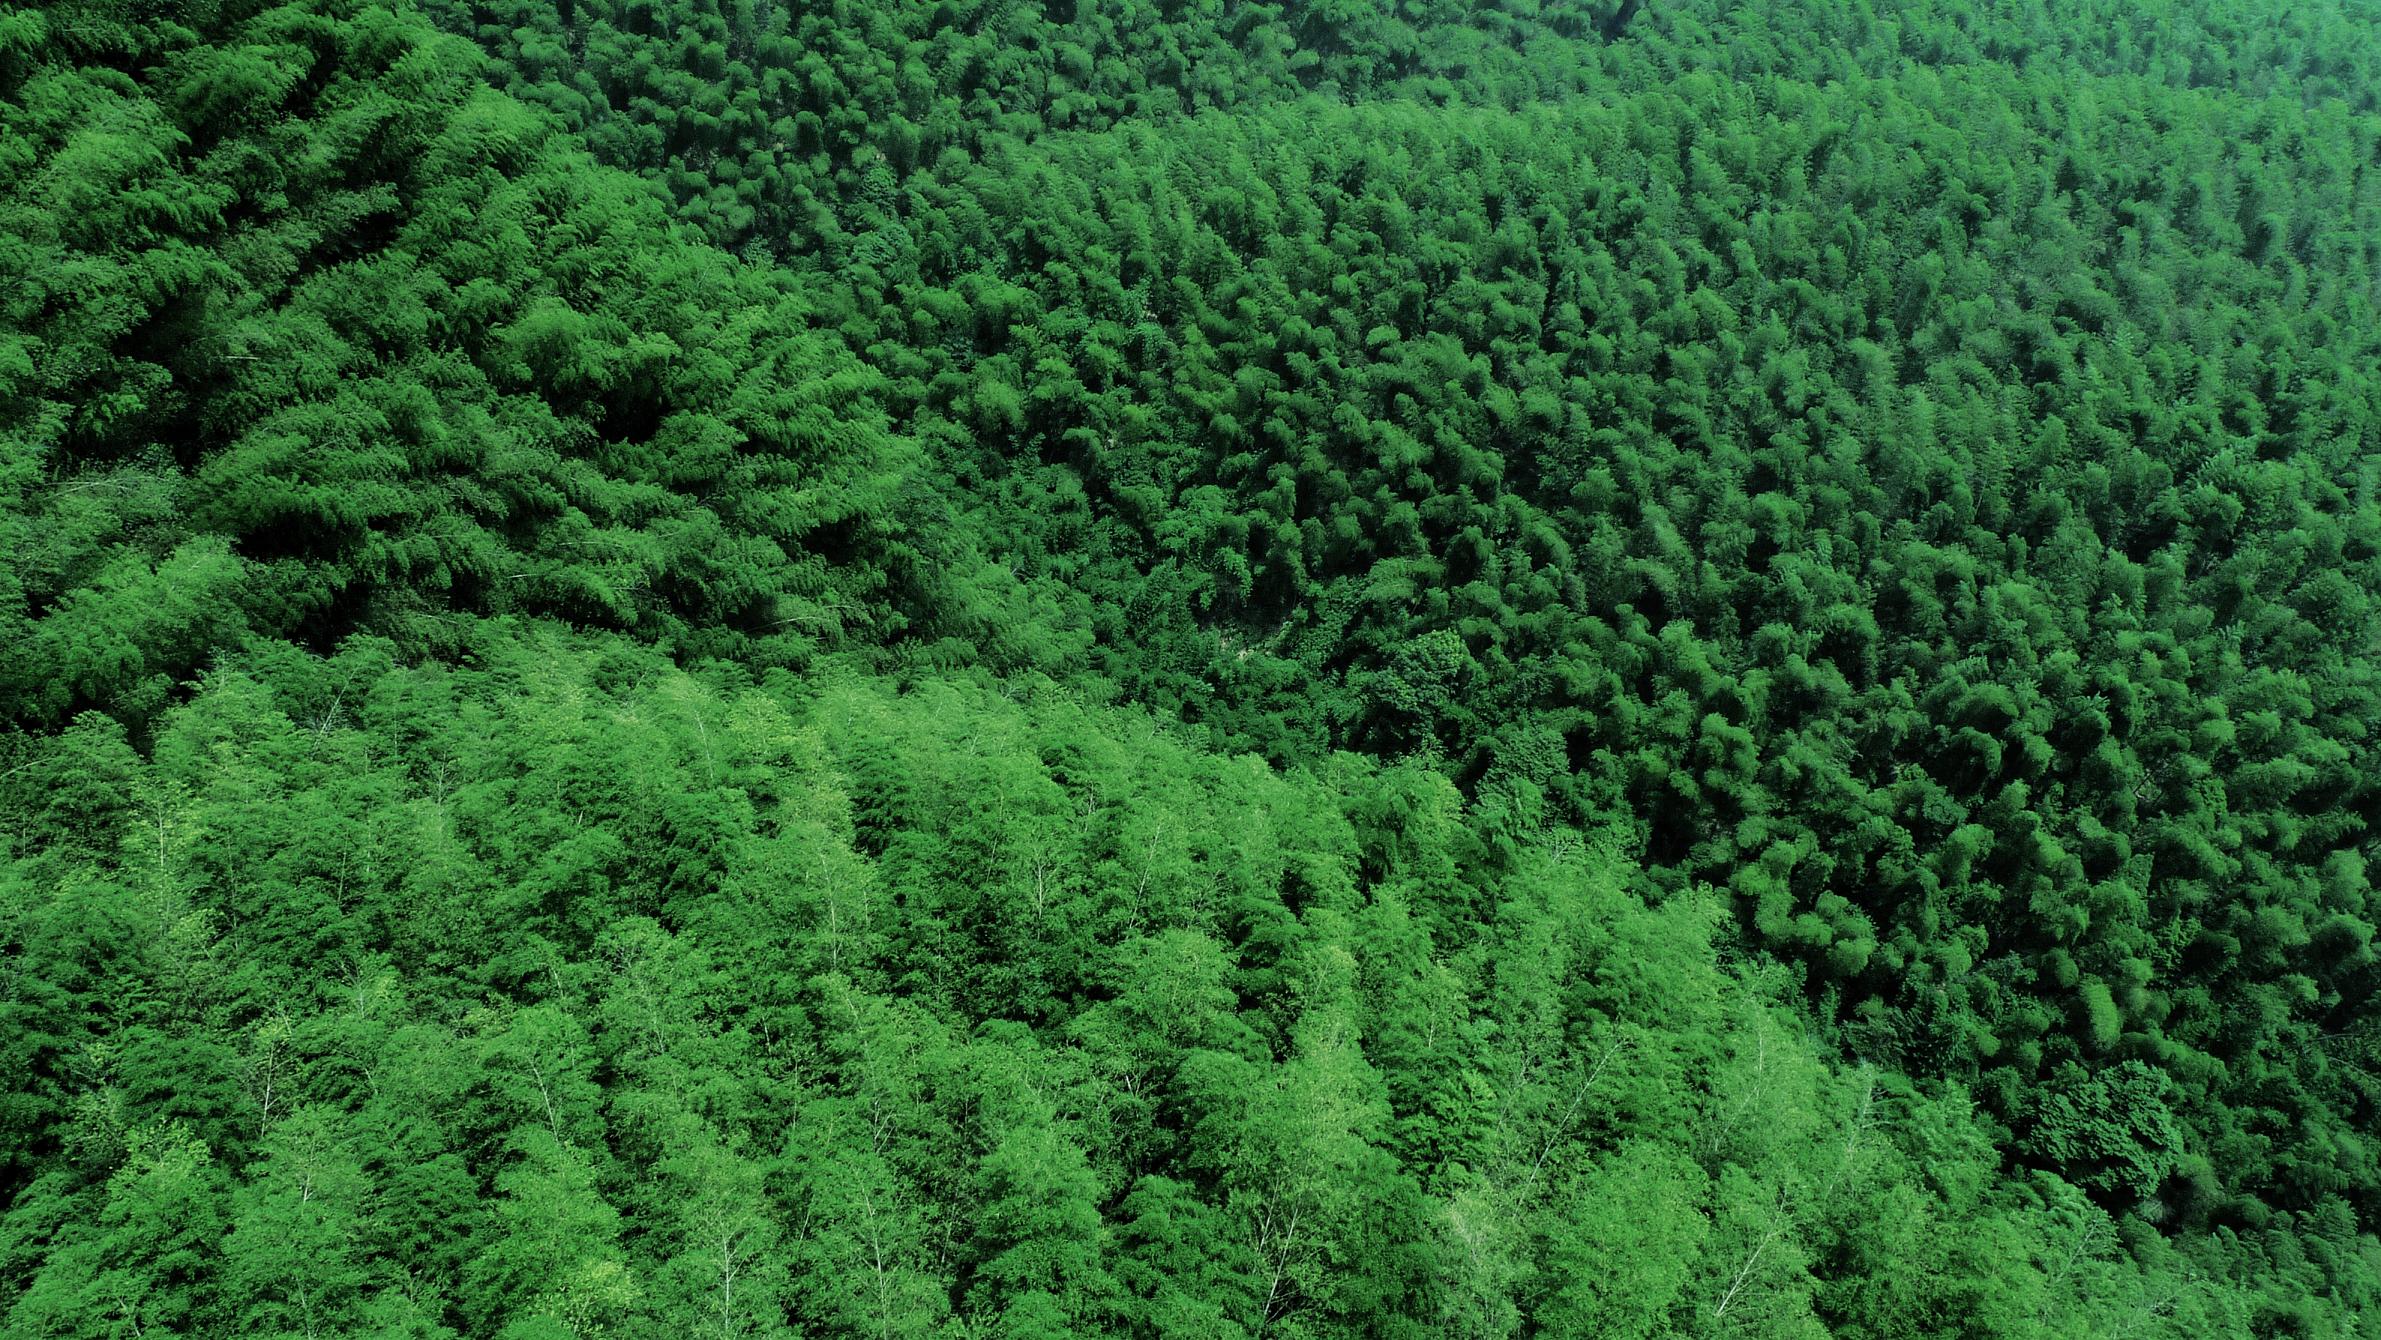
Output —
(308, 329)
(1923, 468)
(1189, 669)
(561, 992)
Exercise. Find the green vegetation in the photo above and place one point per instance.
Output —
(1207, 670)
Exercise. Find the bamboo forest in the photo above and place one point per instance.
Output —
(1190, 669)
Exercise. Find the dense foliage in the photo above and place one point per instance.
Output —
(308, 330)
(564, 992)
(1930, 485)
(1210, 669)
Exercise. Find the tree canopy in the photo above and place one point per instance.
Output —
(1209, 669)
